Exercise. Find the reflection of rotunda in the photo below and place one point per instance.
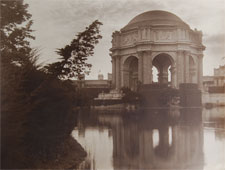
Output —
(156, 39)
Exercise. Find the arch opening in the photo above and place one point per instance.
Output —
(192, 70)
(163, 63)
(130, 71)
(155, 73)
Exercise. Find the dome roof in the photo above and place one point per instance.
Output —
(154, 16)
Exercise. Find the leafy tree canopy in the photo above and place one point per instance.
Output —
(15, 31)
(74, 56)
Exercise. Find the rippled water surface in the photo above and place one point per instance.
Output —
(153, 139)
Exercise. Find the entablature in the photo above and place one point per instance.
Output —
(143, 35)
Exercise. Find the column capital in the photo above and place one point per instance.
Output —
(140, 53)
(180, 51)
(173, 69)
(186, 52)
(200, 56)
(183, 51)
(115, 56)
(144, 51)
(148, 51)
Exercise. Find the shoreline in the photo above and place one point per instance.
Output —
(70, 156)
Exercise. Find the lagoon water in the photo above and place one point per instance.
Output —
(153, 139)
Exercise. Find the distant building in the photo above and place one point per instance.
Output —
(219, 76)
(81, 77)
(110, 76)
(100, 77)
(214, 87)
(215, 83)
(94, 84)
(208, 81)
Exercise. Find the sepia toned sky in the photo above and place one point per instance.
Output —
(56, 22)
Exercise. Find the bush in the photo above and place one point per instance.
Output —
(130, 96)
(37, 117)
(167, 95)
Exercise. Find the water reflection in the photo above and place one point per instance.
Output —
(214, 138)
(147, 139)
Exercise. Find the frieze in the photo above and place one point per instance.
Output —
(163, 35)
(156, 35)
(115, 40)
(129, 39)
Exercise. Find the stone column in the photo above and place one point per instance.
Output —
(147, 67)
(186, 57)
(113, 72)
(164, 76)
(150, 66)
(140, 67)
(121, 74)
(118, 72)
(193, 75)
(183, 66)
(173, 77)
(180, 68)
(125, 78)
(200, 70)
(160, 75)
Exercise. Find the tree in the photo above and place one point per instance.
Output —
(34, 105)
(15, 31)
(16, 55)
(74, 56)
(16, 61)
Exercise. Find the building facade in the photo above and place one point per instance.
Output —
(156, 39)
(217, 81)
(100, 83)
(219, 76)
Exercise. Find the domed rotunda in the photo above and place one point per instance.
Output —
(159, 40)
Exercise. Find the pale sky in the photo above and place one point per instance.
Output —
(56, 22)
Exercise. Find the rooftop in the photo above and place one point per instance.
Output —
(156, 15)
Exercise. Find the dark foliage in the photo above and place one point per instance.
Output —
(157, 95)
(14, 36)
(37, 109)
(51, 119)
(166, 95)
(85, 96)
(130, 96)
(74, 56)
(15, 61)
